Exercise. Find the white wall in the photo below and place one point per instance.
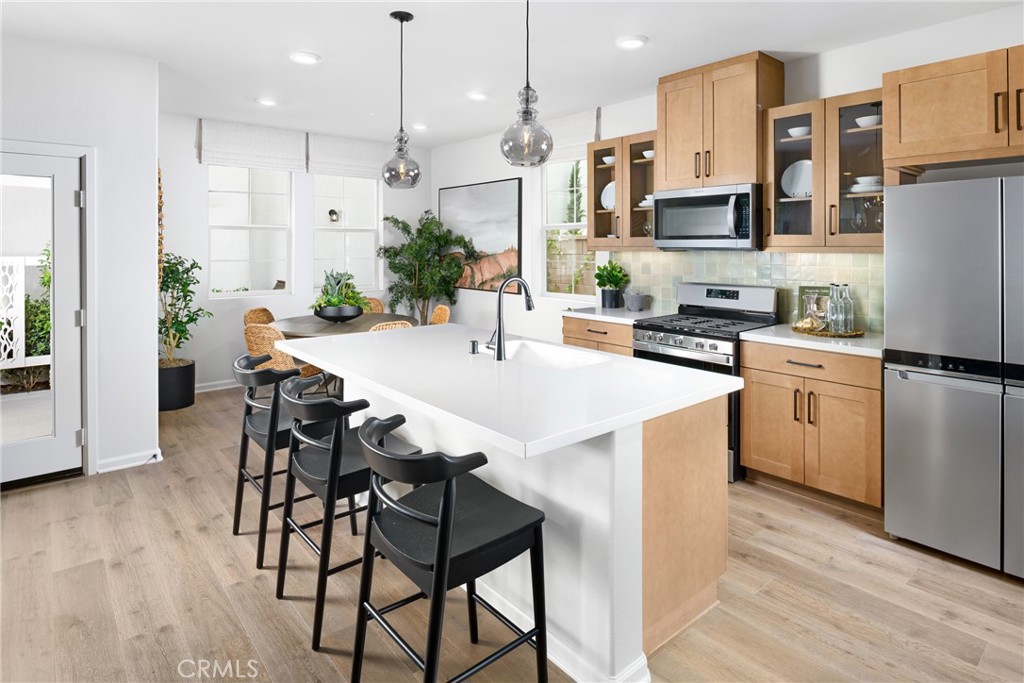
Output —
(217, 341)
(58, 94)
(849, 69)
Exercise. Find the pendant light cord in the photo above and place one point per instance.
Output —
(401, 75)
(527, 43)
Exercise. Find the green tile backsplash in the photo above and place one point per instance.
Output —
(658, 273)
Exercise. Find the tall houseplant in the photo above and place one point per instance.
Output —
(426, 266)
(178, 314)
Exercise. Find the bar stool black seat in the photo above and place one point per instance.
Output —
(450, 530)
(332, 467)
(265, 423)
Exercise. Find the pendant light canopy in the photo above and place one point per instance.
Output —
(401, 171)
(526, 142)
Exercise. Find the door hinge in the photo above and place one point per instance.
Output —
(80, 438)
(80, 199)
(80, 317)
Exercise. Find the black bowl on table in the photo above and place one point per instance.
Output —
(338, 314)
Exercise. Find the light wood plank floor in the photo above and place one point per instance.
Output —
(134, 575)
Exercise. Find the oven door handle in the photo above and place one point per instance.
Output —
(714, 358)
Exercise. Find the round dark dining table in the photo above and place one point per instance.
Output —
(312, 326)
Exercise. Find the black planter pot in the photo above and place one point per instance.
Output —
(611, 298)
(178, 386)
(338, 314)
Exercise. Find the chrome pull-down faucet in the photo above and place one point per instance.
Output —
(498, 338)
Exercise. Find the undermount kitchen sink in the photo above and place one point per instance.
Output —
(549, 355)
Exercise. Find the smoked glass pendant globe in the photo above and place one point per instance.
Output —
(526, 142)
(401, 171)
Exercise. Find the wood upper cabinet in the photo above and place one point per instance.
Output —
(838, 204)
(627, 224)
(1015, 81)
(955, 110)
(813, 417)
(710, 122)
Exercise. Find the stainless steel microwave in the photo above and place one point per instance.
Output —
(724, 217)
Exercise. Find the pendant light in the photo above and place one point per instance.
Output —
(526, 142)
(401, 172)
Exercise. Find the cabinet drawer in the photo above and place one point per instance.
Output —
(582, 343)
(593, 330)
(833, 367)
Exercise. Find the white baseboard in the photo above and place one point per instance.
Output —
(215, 386)
(562, 655)
(130, 460)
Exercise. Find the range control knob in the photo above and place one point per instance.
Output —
(648, 336)
(677, 340)
(660, 337)
(699, 345)
(712, 346)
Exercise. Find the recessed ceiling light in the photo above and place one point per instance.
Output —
(307, 58)
(267, 101)
(477, 95)
(631, 42)
(419, 126)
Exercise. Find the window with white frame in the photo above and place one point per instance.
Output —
(250, 230)
(346, 228)
(568, 263)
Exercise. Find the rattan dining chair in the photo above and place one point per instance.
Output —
(395, 325)
(440, 315)
(258, 316)
(376, 305)
(260, 338)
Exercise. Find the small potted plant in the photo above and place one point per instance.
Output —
(178, 315)
(339, 300)
(611, 278)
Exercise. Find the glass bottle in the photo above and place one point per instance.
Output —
(834, 310)
(847, 309)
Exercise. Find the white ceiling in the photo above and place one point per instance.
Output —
(216, 58)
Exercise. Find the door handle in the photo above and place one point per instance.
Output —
(1020, 123)
(597, 331)
(810, 407)
(796, 405)
(696, 164)
(819, 366)
(707, 163)
(832, 210)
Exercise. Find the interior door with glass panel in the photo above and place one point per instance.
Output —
(40, 298)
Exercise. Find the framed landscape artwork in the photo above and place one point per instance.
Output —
(490, 215)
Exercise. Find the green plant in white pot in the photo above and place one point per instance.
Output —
(611, 277)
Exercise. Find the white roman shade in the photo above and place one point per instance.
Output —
(241, 144)
(571, 135)
(350, 157)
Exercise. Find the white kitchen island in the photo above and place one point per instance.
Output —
(626, 457)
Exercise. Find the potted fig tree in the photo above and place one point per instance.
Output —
(611, 277)
(178, 314)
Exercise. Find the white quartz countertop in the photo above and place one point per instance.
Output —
(870, 345)
(609, 315)
(547, 397)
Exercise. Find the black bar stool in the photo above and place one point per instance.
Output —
(270, 427)
(332, 467)
(450, 530)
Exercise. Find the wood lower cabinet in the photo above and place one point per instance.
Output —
(798, 425)
(710, 122)
(598, 335)
(955, 110)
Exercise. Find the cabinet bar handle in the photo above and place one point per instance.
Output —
(617, 233)
(1020, 123)
(597, 331)
(806, 365)
(810, 406)
(996, 105)
(696, 164)
(707, 163)
(768, 221)
(832, 211)
(796, 405)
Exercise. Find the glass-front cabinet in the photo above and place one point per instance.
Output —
(854, 172)
(604, 225)
(620, 204)
(824, 182)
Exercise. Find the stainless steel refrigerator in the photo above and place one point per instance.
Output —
(954, 354)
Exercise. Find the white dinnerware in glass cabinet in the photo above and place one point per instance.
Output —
(604, 222)
(855, 174)
(794, 188)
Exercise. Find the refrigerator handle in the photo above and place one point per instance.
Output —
(981, 386)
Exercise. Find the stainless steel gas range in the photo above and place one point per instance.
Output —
(704, 334)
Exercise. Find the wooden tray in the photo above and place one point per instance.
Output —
(835, 335)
